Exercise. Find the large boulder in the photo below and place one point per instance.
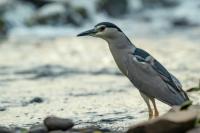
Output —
(77, 16)
(173, 122)
(52, 14)
(114, 8)
(57, 14)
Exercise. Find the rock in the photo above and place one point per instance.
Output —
(36, 100)
(77, 16)
(55, 123)
(195, 130)
(38, 129)
(38, 3)
(182, 22)
(186, 105)
(193, 89)
(3, 28)
(195, 108)
(2, 109)
(82, 12)
(52, 14)
(114, 8)
(57, 14)
(5, 130)
(159, 3)
(176, 122)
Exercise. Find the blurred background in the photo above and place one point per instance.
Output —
(46, 70)
(67, 17)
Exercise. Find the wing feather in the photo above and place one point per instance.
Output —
(143, 56)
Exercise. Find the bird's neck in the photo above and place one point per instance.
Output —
(120, 42)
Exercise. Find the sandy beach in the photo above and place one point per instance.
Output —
(77, 78)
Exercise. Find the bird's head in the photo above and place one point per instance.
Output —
(104, 30)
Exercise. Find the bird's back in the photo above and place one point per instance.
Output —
(151, 78)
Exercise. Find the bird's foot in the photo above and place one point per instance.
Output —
(150, 115)
(156, 113)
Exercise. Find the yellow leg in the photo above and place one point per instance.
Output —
(146, 99)
(156, 112)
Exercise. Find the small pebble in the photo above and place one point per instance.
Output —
(37, 100)
(38, 129)
(55, 123)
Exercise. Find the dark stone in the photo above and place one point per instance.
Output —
(3, 28)
(37, 100)
(77, 16)
(5, 130)
(186, 105)
(173, 122)
(190, 108)
(55, 123)
(82, 11)
(74, 19)
(38, 3)
(159, 3)
(194, 89)
(50, 14)
(57, 14)
(38, 129)
(114, 8)
(182, 22)
(2, 109)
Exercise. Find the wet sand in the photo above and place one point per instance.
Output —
(78, 79)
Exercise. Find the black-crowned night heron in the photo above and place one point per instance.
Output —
(144, 71)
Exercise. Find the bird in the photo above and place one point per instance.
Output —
(146, 73)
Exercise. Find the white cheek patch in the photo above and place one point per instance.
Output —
(104, 32)
(107, 32)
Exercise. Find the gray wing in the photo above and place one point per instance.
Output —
(176, 81)
(169, 78)
(172, 83)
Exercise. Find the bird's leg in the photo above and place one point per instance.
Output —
(146, 99)
(156, 112)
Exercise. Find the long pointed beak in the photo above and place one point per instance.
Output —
(88, 33)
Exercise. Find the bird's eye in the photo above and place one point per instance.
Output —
(102, 28)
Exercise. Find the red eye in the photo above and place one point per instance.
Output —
(102, 28)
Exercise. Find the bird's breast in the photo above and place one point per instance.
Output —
(120, 60)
